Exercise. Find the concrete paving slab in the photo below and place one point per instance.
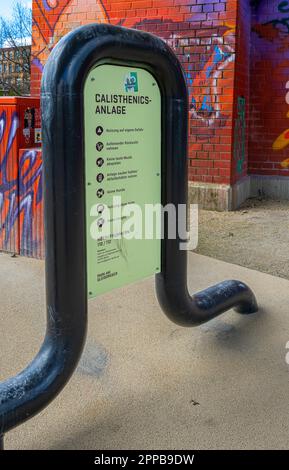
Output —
(145, 383)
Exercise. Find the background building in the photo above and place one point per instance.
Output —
(15, 69)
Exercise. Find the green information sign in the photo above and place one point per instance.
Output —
(122, 111)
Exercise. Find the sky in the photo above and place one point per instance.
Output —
(6, 6)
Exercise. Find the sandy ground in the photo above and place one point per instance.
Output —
(256, 236)
(145, 383)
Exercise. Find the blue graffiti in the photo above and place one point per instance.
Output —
(283, 7)
(17, 192)
(208, 108)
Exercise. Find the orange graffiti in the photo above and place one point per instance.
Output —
(282, 141)
(67, 16)
(285, 163)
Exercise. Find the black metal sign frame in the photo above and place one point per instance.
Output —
(63, 80)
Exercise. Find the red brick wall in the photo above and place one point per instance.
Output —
(202, 33)
(211, 82)
(269, 123)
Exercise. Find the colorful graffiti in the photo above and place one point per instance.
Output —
(269, 129)
(202, 34)
(52, 19)
(283, 22)
(8, 181)
(20, 192)
(276, 27)
(30, 203)
(282, 140)
(205, 90)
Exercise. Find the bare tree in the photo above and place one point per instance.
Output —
(15, 43)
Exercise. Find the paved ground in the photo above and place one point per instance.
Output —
(256, 236)
(144, 382)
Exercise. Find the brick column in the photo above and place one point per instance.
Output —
(203, 35)
(269, 111)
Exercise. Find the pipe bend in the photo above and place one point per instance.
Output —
(27, 393)
(186, 310)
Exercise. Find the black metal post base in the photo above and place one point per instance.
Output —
(186, 310)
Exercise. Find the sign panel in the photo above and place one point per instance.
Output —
(122, 112)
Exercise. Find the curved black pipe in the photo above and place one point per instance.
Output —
(30, 391)
(171, 282)
(36, 386)
(186, 310)
(26, 394)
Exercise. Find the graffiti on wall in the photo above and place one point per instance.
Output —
(8, 180)
(205, 90)
(20, 191)
(240, 135)
(269, 64)
(30, 204)
(282, 22)
(282, 140)
(54, 18)
(51, 21)
(275, 27)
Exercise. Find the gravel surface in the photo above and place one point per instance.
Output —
(255, 236)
